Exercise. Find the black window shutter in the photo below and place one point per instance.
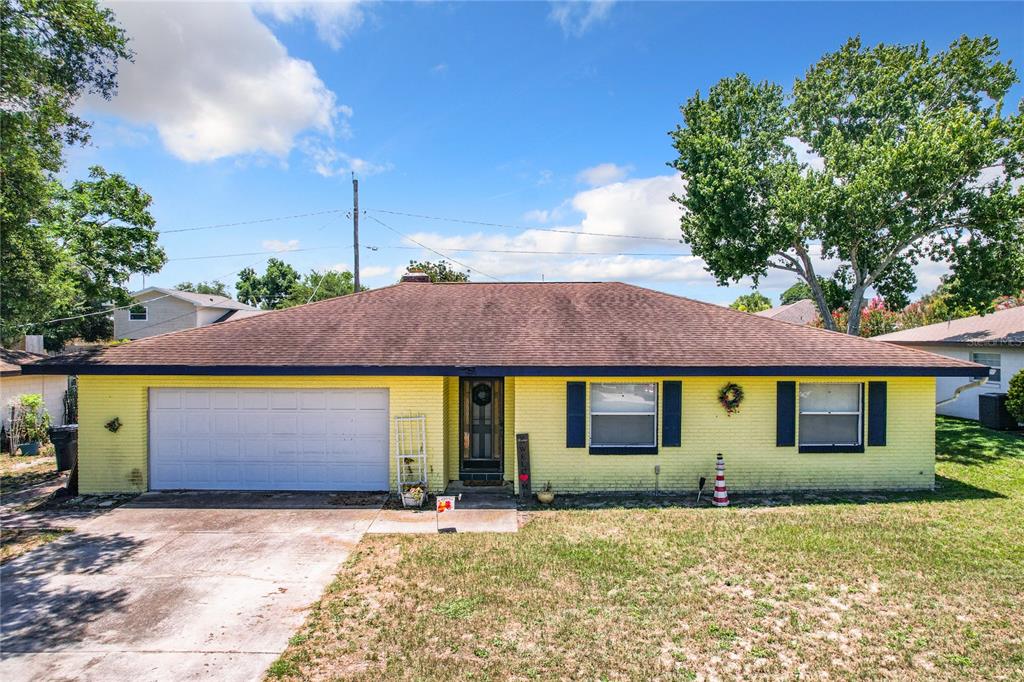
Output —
(877, 409)
(575, 414)
(785, 414)
(672, 414)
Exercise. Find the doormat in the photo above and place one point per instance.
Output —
(482, 484)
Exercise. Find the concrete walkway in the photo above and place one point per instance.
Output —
(163, 589)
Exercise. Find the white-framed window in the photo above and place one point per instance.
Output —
(624, 416)
(831, 416)
(138, 313)
(994, 361)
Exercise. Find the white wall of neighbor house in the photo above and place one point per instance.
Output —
(163, 314)
(51, 387)
(1011, 361)
(205, 316)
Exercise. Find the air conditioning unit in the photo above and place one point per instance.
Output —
(992, 412)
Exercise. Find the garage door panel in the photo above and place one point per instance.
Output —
(269, 439)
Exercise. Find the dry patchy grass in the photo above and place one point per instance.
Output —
(16, 541)
(922, 588)
(20, 471)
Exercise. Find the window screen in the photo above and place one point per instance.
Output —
(831, 414)
(623, 415)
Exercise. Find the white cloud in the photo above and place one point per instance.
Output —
(278, 245)
(804, 154)
(602, 174)
(215, 82)
(335, 20)
(330, 162)
(439, 69)
(376, 271)
(576, 18)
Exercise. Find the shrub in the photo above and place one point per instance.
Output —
(1015, 397)
(30, 418)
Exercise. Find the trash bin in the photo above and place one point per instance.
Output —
(65, 445)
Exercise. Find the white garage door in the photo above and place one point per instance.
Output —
(268, 439)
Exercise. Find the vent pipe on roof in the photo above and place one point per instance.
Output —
(420, 277)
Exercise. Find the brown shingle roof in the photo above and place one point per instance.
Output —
(804, 311)
(524, 328)
(11, 361)
(1003, 327)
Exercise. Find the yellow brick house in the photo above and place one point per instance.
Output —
(617, 388)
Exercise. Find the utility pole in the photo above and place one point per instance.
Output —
(355, 230)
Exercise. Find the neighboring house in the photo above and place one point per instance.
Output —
(14, 382)
(995, 340)
(159, 311)
(615, 385)
(804, 311)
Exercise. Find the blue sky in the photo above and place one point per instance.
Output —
(540, 116)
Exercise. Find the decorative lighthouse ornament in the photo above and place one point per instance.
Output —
(721, 498)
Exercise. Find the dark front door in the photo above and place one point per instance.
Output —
(482, 427)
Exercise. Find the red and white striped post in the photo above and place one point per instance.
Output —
(721, 498)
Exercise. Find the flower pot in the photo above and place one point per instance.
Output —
(546, 496)
(410, 500)
(31, 448)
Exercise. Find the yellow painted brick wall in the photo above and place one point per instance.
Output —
(451, 448)
(510, 428)
(747, 439)
(114, 462)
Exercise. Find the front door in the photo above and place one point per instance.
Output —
(482, 428)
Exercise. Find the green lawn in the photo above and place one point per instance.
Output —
(925, 586)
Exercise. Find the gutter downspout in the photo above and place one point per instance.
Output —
(960, 389)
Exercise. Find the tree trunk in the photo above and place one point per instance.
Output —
(819, 299)
(856, 306)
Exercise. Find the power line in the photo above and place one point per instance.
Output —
(258, 253)
(544, 253)
(442, 255)
(108, 311)
(254, 221)
(523, 227)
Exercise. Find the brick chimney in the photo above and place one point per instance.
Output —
(418, 277)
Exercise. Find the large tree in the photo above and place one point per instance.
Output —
(212, 288)
(317, 286)
(269, 290)
(752, 303)
(910, 156)
(440, 271)
(64, 251)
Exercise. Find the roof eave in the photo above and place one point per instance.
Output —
(515, 370)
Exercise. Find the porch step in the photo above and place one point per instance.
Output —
(482, 497)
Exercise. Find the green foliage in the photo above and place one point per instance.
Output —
(282, 287)
(917, 162)
(440, 271)
(214, 288)
(1015, 397)
(31, 420)
(77, 257)
(317, 286)
(269, 290)
(834, 289)
(63, 251)
(752, 303)
(938, 306)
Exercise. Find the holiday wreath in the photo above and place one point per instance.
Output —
(482, 394)
(730, 396)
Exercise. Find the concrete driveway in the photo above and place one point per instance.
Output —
(174, 587)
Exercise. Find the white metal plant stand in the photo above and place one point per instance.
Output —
(411, 451)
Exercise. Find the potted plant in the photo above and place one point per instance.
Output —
(546, 496)
(413, 496)
(29, 423)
